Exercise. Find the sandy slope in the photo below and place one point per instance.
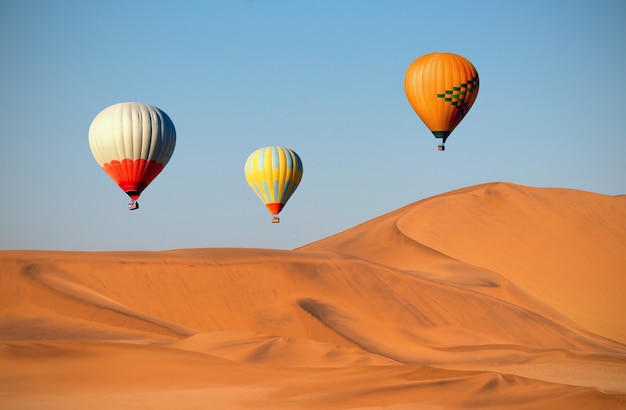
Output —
(494, 296)
(566, 247)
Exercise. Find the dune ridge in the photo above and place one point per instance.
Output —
(541, 238)
(492, 296)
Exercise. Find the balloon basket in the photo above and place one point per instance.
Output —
(441, 147)
(275, 220)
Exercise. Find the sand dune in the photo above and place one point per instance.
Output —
(493, 296)
(566, 247)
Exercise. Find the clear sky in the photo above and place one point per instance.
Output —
(324, 78)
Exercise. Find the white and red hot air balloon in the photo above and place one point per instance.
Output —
(132, 142)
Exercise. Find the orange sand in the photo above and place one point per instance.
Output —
(496, 296)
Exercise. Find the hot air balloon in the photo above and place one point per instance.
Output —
(132, 142)
(441, 88)
(273, 173)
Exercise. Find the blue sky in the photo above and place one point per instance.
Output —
(324, 78)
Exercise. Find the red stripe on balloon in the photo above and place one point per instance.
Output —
(275, 207)
(133, 176)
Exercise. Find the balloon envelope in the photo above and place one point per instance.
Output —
(273, 173)
(441, 88)
(132, 142)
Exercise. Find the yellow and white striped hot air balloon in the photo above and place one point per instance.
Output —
(273, 173)
(441, 88)
(132, 142)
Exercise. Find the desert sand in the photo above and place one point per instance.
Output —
(496, 296)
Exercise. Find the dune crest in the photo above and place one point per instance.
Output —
(566, 247)
(495, 296)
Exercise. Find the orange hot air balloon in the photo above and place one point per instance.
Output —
(441, 88)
